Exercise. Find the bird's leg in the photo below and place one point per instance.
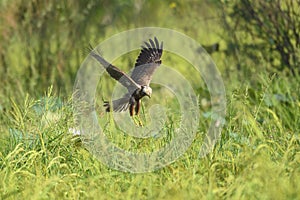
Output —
(131, 107)
(137, 107)
(132, 102)
(137, 120)
(137, 110)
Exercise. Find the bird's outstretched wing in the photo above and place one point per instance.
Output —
(116, 73)
(147, 62)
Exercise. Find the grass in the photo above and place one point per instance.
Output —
(257, 157)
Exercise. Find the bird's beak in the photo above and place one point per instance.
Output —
(149, 96)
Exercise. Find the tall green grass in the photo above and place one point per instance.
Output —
(256, 157)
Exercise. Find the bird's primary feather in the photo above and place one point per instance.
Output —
(147, 62)
(116, 73)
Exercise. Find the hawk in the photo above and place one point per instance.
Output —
(138, 84)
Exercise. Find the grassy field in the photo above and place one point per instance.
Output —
(256, 157)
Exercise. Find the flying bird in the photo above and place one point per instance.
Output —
(138, 84)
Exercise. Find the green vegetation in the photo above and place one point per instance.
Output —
(41, 49)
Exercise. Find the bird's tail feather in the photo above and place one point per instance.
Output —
(119, 105)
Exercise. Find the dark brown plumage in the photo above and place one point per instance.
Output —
(138, 83)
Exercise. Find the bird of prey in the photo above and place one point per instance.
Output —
(138, 83)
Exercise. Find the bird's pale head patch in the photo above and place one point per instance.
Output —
(147, 91)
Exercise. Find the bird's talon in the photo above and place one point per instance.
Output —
(140, 123)
(137, 121)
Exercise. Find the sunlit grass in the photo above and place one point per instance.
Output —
(257, 156)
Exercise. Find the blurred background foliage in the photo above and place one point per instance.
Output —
(255, 44)
(42, 43)
(265, 30)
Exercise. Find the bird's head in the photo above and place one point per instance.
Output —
(146, 90)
